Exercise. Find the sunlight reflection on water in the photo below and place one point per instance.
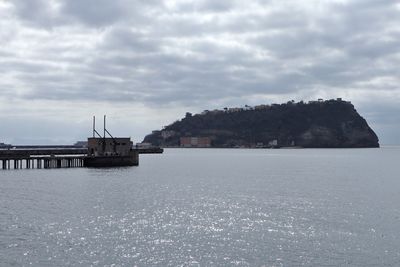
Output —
(208, 207)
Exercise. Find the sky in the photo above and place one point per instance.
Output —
(145, 63)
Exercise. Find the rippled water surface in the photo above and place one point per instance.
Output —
(208, 207)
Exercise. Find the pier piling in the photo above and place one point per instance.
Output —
(40, 162)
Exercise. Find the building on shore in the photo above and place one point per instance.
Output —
(195, 142)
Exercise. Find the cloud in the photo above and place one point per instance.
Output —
(94, 12)
(198, 54)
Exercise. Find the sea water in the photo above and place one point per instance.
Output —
(208, 207)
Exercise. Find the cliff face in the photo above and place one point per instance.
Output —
(332, 123)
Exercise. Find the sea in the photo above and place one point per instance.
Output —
(208, 207)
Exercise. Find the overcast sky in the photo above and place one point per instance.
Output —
(145, 63)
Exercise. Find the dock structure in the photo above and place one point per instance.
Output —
(37, 157)
(42, 163)
(101, 151)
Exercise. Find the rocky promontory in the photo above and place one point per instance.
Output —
(316, 124)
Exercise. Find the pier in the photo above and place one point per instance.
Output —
(49, 157)
(101, 151)
(42, 163)
(42, 157)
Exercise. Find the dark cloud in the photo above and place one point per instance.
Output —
(128, 40)
(205, 6)
(94, 12)
(35, 10)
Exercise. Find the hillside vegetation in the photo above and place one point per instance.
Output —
(318, 124)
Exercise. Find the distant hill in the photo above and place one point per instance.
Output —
(316, 124)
